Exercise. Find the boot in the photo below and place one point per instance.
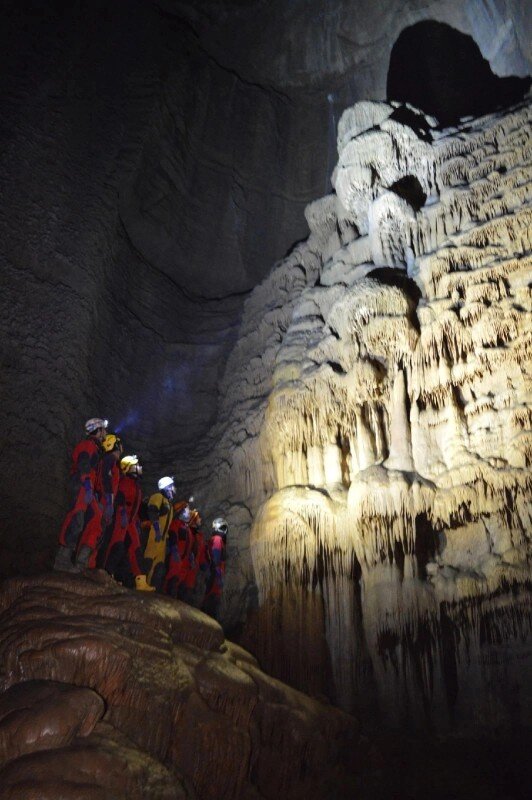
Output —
(83, 556)
(141, 584)
(63, 560)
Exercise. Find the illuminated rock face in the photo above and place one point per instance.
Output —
(388, 468)
(153, 165)
(105, 693)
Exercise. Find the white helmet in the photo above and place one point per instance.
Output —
(165, 483)
(219, 525)
(95, 423)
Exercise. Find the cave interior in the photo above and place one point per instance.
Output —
(205, 208)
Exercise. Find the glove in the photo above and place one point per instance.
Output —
(108, 509)
(88, 491)
(157, 529)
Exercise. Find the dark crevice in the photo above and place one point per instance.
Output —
(410, 189)
(441, 71)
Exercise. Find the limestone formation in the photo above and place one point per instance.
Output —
(109, 694)
(378, 415)
(156, 158)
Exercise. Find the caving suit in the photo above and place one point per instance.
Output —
(215, 582)
(180, 558)
(123, 555)
(85, 515)
(160, 512)
(200, 560)
(108, 476)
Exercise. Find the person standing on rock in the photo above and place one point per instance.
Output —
(217, 553)
(160, 512)
(122, 557)
(201, 553)
(179, 552)
(107, 477)
(85, 513)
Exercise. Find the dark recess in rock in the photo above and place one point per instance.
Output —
(440, 70)
(410, 189)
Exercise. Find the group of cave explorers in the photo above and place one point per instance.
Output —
(152, 545)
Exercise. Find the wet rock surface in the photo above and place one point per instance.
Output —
(109, 694)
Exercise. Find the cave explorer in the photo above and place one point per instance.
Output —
(217, 553)
(123, 557)
(160, 512)
(106, 486)
(85, 513)
(180, 556)
(200, 550)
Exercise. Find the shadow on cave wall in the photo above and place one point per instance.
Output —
(441, 71)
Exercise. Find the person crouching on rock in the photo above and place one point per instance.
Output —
(160, 512)
(217, 553)
(85, 513)
(179, 552)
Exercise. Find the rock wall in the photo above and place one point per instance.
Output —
(156, 159)
(378, 420)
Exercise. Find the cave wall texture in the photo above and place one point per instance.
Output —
(157, 160)
(392, 449)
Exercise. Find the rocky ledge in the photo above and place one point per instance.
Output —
(107, 693)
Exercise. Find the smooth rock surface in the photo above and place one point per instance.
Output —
(187, 714)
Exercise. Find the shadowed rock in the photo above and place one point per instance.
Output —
(186, 713)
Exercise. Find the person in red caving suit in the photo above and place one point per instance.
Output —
(217, 554)
(85, 513)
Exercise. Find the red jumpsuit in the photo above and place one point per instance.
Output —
(106, 488)
(85, 515)
(215, 583)
(123, 552)
(179, 559)
(200, 561)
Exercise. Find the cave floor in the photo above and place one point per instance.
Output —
(414, 768)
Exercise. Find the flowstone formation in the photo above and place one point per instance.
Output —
(377, 416)
(105, 694)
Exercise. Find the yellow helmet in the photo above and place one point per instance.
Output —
(195, 518)
(128, 463)
(179, 506)
(111, 442)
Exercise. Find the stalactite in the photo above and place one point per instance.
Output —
(387, 451)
